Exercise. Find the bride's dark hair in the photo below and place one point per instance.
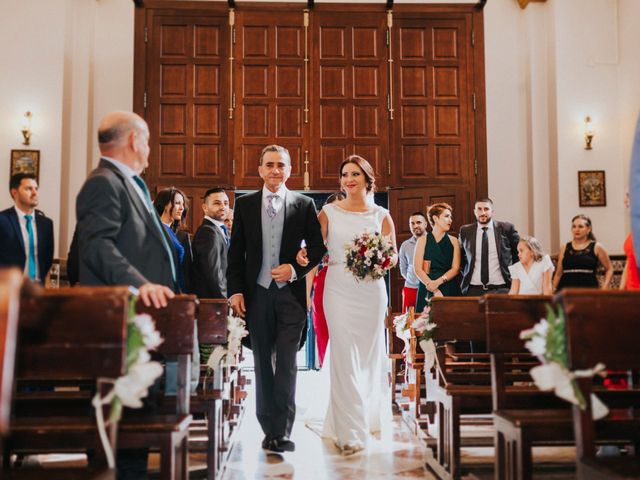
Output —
(367, 169)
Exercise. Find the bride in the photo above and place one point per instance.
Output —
(359, 397)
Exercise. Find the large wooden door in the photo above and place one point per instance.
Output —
(270, 92)
(186, 100)
(349, 102)
(432, 140)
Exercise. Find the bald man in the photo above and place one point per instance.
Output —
(120, 238)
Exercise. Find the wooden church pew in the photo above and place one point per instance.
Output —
(602, 326)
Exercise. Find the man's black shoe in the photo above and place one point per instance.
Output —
(283, 444)
(266, 441)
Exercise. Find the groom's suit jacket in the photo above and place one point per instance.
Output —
(245, 253)
(506, 238)
(118, 241)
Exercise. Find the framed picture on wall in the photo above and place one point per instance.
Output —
(25, 161)
(592, 188)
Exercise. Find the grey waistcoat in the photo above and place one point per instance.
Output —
(271, 240)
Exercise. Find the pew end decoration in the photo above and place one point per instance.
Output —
(369, 256)
(236, 331)
(547, 341)
(131, 388)
(424, 328)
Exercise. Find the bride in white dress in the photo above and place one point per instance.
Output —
(360, 393)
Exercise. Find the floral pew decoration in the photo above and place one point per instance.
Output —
(236, 328)
(546, 340)
(423, 328)
(131, 388)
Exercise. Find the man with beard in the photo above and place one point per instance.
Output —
(210, 245)
(488, 248)
(26, 235)
(417, 226)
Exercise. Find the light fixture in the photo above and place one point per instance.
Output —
(588, 133)
(26, 128)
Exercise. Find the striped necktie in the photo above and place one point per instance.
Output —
(32, 248)
(156, 221)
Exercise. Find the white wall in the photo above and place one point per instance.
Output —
(547, 67)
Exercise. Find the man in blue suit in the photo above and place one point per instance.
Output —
(26, 234)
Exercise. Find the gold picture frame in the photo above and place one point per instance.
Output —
(592, 188)
(25, 161)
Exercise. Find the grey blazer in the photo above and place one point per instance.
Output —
(507, 239)
(118, 241)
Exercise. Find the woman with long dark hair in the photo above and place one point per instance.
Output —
(578, 259)
(171, 205)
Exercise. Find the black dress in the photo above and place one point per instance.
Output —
(579, 267)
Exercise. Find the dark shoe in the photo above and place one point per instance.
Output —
(283, 444)
(266, 442)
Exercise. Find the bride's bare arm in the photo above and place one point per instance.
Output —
(388, 228)
(324, 225)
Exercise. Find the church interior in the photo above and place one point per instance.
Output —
(532, 104)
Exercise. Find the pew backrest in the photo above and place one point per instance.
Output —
(10, 282)
(175, 322)
(212, 320)
(458, 318)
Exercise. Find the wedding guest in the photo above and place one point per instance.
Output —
(417, 226)
(171, 205)
(488, 248)
(437, 257)
(228, 221)
(579, 258)
(532, 274)
(630, 279)
(315, 292)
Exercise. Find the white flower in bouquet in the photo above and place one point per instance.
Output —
(370, 255)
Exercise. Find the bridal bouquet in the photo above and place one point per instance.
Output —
(546, 340)
(370, 255)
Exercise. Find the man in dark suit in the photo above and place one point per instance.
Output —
(265, 283)
(119, 235)
(120, 238)
(210, 245)
(26, 234)
(488, 248)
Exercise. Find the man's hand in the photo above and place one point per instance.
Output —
(236, 302)
(152, 293)
(301, 257)
(282, 273)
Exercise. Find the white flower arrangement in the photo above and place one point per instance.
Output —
(425, 327)
(370, 255)
(236, 328)
(546, 340)
(140, 373)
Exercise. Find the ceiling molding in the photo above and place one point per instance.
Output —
(523, 3)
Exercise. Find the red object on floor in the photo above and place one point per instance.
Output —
(317, 314)
(409, 297)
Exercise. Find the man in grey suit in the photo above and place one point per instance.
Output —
(210, 245)
(120, 238)
(265, 283)
(488, 248)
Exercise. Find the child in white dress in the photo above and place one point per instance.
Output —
(533, 273)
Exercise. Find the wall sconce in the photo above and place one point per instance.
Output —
(26, 128)
(588, 133)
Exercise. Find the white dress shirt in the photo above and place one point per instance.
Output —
(278, 202)
(218, 223)
(25, 238)
(495, 274)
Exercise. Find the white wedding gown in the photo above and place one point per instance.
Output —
(360, 396)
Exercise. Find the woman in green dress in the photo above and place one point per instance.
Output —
(437, 258)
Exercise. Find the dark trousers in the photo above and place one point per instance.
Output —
(275, 320)
(479, 290)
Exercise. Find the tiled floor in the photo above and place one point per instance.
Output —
(395, 454)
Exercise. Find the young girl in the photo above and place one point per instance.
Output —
(532, 274)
